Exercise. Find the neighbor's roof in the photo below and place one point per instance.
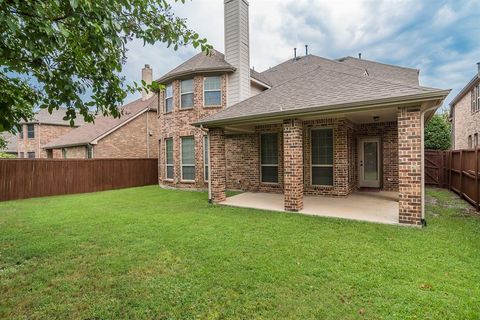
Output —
(92, 131)
(55, 118)
(318, 86)
(11, 140)
(466, 89)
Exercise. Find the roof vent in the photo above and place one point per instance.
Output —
(478, 67)
(359, 55)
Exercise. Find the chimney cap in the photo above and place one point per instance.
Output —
(147, 66)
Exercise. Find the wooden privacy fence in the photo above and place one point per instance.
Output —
(457, 170)
(22, 178)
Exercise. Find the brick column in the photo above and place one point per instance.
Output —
(410, 165)
(293, 164)
(218, 172)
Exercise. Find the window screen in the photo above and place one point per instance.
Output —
(212, 92)
(269, 157)
(186, 87)
(188, 158)
(322, 156)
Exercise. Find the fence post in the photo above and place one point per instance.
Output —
(461, 174)
(450, 170)
(476, 179)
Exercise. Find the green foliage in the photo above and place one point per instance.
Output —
(438, 133)
(3, 142)
(151, 253)
(4, 155)
(70, 53)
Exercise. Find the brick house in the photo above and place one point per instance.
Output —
(308, 126)
(465, 115)
(11, 147)
(43, 128)
(133, 135)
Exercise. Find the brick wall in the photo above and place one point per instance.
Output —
(44, 133)
(78, 152)
(177, 124)
(293, 164)
(218, 164)
(464, 122)
(132, 140)
(409, 176)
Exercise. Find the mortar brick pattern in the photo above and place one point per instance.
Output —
(44, 133)
(409, 175)
(465, 122)
(177, 124)
(293, 162)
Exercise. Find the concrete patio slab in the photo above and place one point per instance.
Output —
(380, 206)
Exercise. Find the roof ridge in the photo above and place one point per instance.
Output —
(382, 63)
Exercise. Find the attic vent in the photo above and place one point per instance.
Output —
(365, 73)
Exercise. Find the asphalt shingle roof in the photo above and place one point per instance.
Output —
(91, 131)
(56, 117)
(320, 85)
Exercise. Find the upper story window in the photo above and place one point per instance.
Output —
(212, 91)
(169, 98)
(186, 91)
(31, 131)
(475, 96)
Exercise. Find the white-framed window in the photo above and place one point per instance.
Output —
(269, 157)
(212, 91)
(322, 157)
(64, 153)
(470, 141)
(475, 140)
(31, 155)
(169, 158)
(169, 98)
(478, 96)
(188, 158)
(475, 98)
(186, 94)
(206, 158)
(89, 151)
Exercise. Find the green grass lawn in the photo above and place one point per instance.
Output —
(147, 253)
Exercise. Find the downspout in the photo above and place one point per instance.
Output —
(147, 140)
(422, 120)
(209, 166)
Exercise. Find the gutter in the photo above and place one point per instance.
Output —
(194, 71)
(312, 111)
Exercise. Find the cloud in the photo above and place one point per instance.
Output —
(439, 38)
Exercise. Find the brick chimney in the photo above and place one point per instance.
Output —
(147, 77)
(237, 49)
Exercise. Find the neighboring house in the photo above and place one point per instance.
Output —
(11, 141)
(465, 115)
(42, 129)
(309, 125)
(133, 135)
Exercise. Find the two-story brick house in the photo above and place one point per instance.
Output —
(308, 126)
(465, 115)
(43, 128)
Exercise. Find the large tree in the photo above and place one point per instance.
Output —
(438, 133)
(70, 53)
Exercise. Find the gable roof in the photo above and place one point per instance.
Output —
(11, 140)
(473, 82)
(90, 132)
(320, 88)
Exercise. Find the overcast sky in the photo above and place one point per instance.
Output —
(441, 38)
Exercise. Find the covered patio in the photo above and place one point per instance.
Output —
(376, 206)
